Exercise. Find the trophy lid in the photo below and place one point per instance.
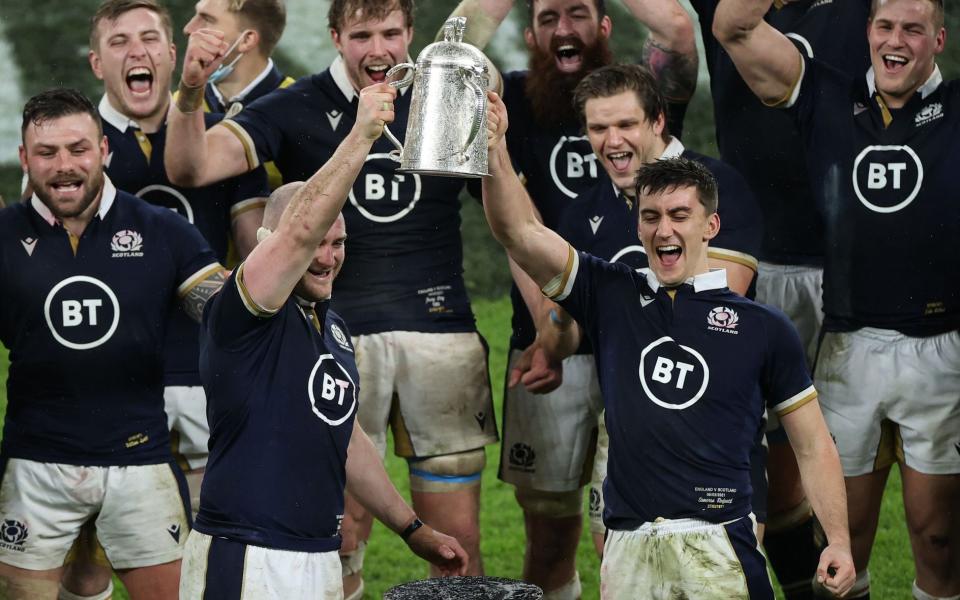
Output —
(453, 51)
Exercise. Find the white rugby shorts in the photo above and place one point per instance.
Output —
(685, 558)
(889, 397)
(140, 511)
(223, 569)
(432, 389)
(549, 439)
(186, 408)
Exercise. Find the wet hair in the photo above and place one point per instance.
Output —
(111, 10)
(615, 79)
(671, 174)
(267, 17)
(341, 10)
(56, 103)
(600, 4)
(937, 12)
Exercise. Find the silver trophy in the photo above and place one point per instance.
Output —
(446, 129)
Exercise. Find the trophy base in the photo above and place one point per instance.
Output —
(443, 173)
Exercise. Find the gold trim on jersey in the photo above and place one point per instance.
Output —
(741, 258)
(248, 301)
(198, 278)
(796, 401)
(249, 148)
(884, 111)
(247, 205)
(74, 241)
(787, 100)
(558, 288)
(144, 142)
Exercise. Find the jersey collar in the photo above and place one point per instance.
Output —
(107, 197)
(931, 85)
(714, 279)
(673, 150)
(339, 73)
(113, 116)
(245, 91)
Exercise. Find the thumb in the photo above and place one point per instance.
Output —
(514, 379)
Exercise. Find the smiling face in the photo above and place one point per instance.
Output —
(370, 47)
(63, 159)
(135, 59)
(904, 38)
(317, 283)
(564, 28)
(622, 136)
(674, 228)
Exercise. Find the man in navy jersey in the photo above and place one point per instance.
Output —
(624, 117)
(280, 372)
(682, 364)
(881, 149)
(85, 436)
(132, 53)
(253, 28)
(765, 146)
(402, 292)
(566, 39)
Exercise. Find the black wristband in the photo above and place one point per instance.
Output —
(415, 525)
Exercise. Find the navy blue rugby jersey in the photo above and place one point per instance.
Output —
(764, 144)
(893, 226)
(603, 222)
(282, 393)
(556, 166)
(683, 374)
(135, 164)
(85, 329)
(404, 268)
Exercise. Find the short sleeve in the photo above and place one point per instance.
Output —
(741, 225)
(258, 127)
(231, 316)
(250, 191)
(785, 381)
(585, 279)
(193, 259)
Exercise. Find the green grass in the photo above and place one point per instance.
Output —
(390, 563)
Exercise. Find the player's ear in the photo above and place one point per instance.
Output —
(712, 227)
(606, 26)
(529, 39)
(95, 64)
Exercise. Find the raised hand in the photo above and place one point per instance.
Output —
(375, 109)
(206, 49)
(496, 119)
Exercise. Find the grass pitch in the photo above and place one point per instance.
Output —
(389, 562)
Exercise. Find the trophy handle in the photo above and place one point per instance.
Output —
(469, 79)
(399, 84)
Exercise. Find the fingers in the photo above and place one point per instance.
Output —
(836, 571)
(375, 109)
(515, 376)
(205, 51)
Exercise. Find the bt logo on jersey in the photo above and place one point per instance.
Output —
(381, 194)
(573, 165)
(332, 392)
(887, 178)
(81, 312)
(672, 375)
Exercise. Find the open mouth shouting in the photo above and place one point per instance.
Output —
(377, 73)
(894, 63)
(140, 82)
(620, 161)
(568, 53)
(67, 185)
(669, 255)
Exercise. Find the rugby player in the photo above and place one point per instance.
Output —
(881, 149)
(566, 40)
(624, 116)
(280, 371)
(680, 441)
(402, 291)
(85, 435)
(765, 146)
(131, 51)
(253, 29)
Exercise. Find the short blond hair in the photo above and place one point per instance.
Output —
(267, 17)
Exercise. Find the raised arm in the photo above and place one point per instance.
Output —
(768, 62)
(483, 19)
(367, 481)
(822, 479)
(536, 249)
(193, 156)
(670, 50)
(279, 261)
